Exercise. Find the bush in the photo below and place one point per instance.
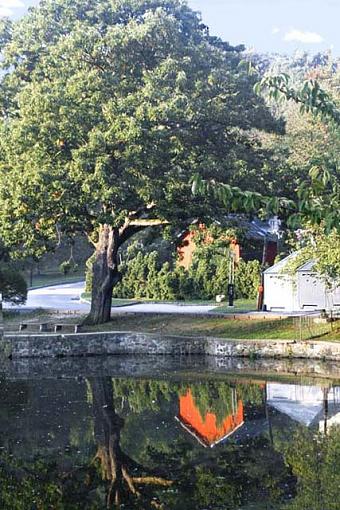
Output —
(65, 267)
(12, 285)
(247, 279)
(145, 276)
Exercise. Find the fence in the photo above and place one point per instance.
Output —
(311, 326)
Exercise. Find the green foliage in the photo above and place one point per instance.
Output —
(211, 268)
(231, 476)
(323, 247)
(311, 97)
(156, 275)
(144, 276)
(218, 398)
(37, 485)
(235, 199)
(108, 109)
(315, 461)
(319, 191)
(12, 284)
(306, 159)
(248, 278)
(65, 267)
(210, 397)
(88, 273)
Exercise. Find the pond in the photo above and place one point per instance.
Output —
(182, 434)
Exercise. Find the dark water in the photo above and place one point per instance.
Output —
(159, 434)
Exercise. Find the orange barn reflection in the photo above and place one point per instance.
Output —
(206, 429)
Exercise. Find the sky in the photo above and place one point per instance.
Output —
(278, 26)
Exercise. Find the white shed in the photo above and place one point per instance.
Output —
(279, 288)
(306, 291)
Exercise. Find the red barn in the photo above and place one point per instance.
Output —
(258, 242)
(206, 429)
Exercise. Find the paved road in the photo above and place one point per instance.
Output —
(67, 297)
(56, 297)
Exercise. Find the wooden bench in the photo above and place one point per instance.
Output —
(43, 326)
(59, 327)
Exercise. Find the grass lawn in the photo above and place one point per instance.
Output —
(219, 327)
(53, 278)
(240, 305)
(188, 325)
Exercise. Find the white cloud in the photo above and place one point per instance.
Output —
(11, 4)
(275, 30)
(303, 37)
(4, 12)
(7, 6)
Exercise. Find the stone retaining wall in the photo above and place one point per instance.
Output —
(113, 343)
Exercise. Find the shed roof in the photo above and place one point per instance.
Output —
(279, 266)
(304, 404)
(308, 266)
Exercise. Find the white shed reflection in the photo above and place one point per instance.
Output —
(312, 406)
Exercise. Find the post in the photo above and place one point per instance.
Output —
(231, 284)
(1, 319)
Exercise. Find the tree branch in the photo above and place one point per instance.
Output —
(133, 226)
(152, 480)
(144, 222)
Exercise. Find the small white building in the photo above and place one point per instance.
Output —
(305, 291)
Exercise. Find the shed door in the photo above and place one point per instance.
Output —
(278, 293)
(311, 292)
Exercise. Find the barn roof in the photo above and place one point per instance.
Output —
(205, 428)
(254, 229)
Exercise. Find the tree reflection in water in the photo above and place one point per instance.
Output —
(117, 468)
(315, 461)
(124, 458)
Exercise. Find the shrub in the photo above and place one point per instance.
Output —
(12, 285)
(145, 276)
(65, 267)
(247, 279)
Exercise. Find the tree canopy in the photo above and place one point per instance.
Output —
(107, 110)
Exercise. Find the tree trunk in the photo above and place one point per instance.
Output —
(105, 275)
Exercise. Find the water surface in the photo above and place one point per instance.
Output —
(182, 434)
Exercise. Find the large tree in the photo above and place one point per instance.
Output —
(107, 110)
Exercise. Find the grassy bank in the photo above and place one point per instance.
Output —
(183, 325)
(53, 278)
(285, 329)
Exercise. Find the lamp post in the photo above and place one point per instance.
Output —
(231, 284)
